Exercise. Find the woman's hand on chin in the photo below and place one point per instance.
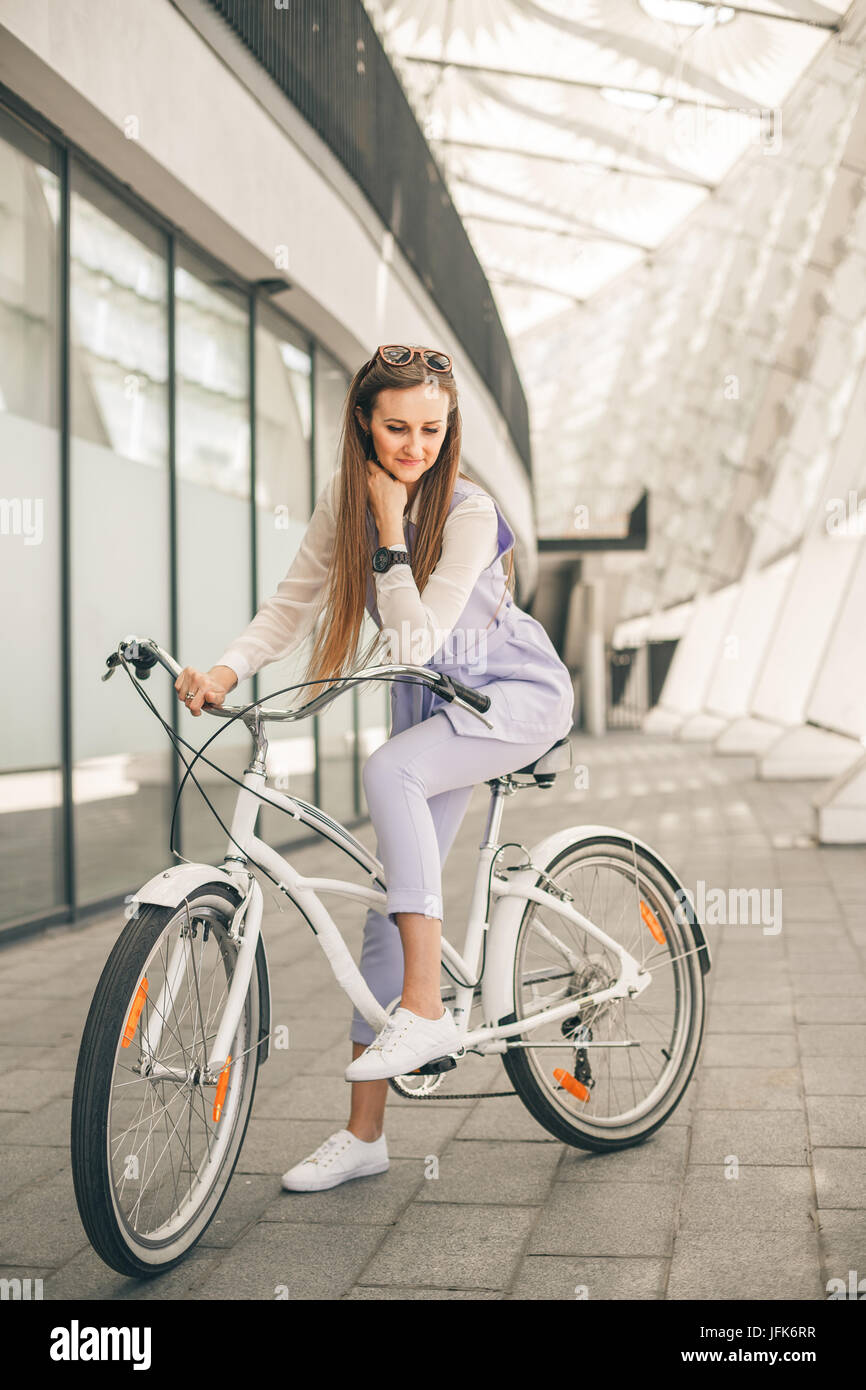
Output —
(388, 496)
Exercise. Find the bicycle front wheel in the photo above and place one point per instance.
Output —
(154, 1140)
(609, 1075)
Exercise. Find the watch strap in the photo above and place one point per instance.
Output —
(397, 554)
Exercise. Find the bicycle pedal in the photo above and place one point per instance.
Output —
(433, 1068)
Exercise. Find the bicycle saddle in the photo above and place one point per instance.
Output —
(544, 768)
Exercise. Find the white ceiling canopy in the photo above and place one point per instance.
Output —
(576, 138)
(576, 134)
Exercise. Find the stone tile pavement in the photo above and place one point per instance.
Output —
(755, 1188)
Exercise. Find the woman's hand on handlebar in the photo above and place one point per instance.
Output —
(212, 686)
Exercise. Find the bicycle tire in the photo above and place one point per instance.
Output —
(92, 1092)
(518, 1063)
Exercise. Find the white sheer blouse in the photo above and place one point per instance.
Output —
(417, 623)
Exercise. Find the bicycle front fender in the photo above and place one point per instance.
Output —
(507, 914)
(169, 888)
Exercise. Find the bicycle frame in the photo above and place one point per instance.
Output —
(303, 892)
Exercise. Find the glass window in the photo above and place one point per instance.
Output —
(336, 731)
(119, 528)
(31, 822)
(214, 565)
(284, 505)
(332, 385)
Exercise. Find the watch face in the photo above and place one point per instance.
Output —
(381, 558)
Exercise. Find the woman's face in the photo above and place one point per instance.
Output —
(408, 428)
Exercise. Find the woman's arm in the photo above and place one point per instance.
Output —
(416, 625)
(287, 617)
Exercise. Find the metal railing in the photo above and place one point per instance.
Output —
(627, 702)
(327, 58)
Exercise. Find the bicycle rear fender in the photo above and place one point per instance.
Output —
(169, 888)
(507, 913)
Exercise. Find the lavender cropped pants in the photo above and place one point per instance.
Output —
(418, 785)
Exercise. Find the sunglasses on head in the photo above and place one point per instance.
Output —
(397, 355)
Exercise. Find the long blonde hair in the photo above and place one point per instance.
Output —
(335, 648)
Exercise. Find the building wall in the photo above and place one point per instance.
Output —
(227, 159)
(156, 501)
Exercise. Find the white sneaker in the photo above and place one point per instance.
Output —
(407, 1041)
(341, 1157)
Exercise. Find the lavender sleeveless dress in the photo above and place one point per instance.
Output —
(510, 658)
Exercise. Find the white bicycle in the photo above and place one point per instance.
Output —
(582, 966)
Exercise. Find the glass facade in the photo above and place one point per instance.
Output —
(164, 434)
(119, 534)
(214, 534)
(284, 501)
(31, 731)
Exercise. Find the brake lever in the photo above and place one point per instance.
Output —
(446, 690)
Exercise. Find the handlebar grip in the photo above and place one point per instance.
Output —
(472, 697)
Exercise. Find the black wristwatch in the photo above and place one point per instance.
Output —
(383, 558)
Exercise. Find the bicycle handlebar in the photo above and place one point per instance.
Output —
(143, 653)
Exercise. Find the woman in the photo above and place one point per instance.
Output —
(434, 583)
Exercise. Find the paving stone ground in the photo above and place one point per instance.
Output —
(754, 1189)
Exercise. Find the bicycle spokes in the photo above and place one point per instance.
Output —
(609, 1061)
(169, 1118)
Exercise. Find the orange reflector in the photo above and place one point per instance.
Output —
(571, 1083)
(222, 1087)
(651, 921)
(134, 1013)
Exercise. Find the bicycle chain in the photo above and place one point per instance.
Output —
(465, 1095)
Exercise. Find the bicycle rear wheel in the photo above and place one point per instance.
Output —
(638, 1054)
(154, 1142)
